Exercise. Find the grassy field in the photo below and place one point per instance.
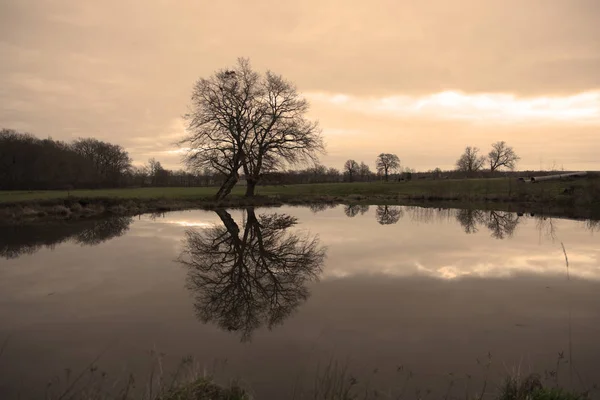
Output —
(445, 189)
(582, 196)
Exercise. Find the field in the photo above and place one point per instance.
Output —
(445, 189)
(577, 197)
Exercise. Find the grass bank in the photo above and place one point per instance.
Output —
(582, 194)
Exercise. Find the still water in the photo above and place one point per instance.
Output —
(272, 295)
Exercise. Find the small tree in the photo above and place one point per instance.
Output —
(364, 171)
(387, 163)
(502, 155)
(470, 161)
(351, 168)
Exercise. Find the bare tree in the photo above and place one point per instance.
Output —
(351, 168)
(364, 171)
(502, 155)
(157, 174)
(240, 119)
(224, 112)
(387, 163)
(470, 161)
(110, 161)
(283, 135)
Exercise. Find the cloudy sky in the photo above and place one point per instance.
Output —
(421, 79)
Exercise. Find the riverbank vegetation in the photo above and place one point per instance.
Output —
(582, 195)
(332, 381)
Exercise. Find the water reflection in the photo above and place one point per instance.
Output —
(387, 215)
(318, 207)
(501, 224)
(352, 210)
(593, 225)
(387, 294)
(242, 279)
(18, 240)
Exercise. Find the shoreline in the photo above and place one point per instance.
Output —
(75, 208)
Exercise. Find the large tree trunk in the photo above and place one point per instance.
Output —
(227, 186)
(250, 187)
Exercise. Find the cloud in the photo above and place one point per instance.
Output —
(486, 108)
(122, 70)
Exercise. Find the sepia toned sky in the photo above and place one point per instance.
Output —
(422, 79)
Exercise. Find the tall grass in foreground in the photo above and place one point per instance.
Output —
(189, 381)
(332, 381)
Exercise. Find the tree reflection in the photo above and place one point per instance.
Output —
(318, 207)
(103, 230)
(18, 240)
(387, 215)
(352, 210)
(546, 227)
(593, 225)
(469, 219)
(501, 224)
(242, 279)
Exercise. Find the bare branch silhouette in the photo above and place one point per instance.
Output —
(387, 215)
(243, 279)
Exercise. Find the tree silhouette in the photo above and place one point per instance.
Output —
(387, 163)
(352, 210)
(318, 207)
(500, 223)
(240, 119)
(243, 279)
(351, 169)
(387, 215)
(470, 161)
(469, 219)
(502, 155)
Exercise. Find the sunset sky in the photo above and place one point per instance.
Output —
(422, 79)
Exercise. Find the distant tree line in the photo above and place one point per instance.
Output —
(30, 163)
(27, 162)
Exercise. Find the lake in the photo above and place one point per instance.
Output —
(402, 298)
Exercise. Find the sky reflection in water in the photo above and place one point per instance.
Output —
(377, 285)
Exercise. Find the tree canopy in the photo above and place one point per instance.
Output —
(501, 156)
(240, 119)
(387, 163)
(470, 161)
